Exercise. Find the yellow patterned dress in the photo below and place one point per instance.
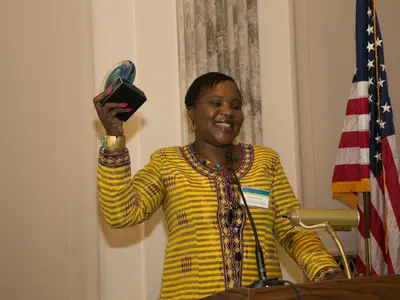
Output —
(210, 244)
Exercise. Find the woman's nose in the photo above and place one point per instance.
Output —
(226, 110)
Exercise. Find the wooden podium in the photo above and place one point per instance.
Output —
(363, 288)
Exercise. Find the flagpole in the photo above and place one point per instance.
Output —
(367, 231)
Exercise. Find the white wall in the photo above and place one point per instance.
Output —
(325, 72)
(143, 31)
(48, 220)
(279, 98)
(279, 84)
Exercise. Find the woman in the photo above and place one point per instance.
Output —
(211, 244)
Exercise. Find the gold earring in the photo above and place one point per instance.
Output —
(193, 126)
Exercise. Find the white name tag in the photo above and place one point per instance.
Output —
(255, 197)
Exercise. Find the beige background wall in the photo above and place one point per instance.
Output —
(53, 57)
(48, 221)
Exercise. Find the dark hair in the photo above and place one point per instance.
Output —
(202, 82)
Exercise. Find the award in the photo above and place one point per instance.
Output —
(118, 83)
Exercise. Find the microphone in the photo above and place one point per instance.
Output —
(263, 281)
(338, 219)
(118, 83)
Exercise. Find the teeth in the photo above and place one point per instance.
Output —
(224, 125)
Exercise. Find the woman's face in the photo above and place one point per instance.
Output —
(218, 114)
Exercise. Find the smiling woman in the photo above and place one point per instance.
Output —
(216, 115)
(211, 245)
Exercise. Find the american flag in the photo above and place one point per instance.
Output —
(367, 159)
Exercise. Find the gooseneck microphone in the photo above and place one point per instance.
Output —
(263, 281)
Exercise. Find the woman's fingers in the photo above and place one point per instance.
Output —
(112, 114)
(112, 105)
(108, 112)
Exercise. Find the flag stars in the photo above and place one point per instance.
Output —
(370, 64)
(378, 139)
(378, 42)
(386, 108)
(380, 82)
(370, 81)
(383, 68)
(381, 123)
(370, 97)
(369, 12)
(370, 47)
(370, 29)
(378, 156)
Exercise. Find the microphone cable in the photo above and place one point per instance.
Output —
(263, 282)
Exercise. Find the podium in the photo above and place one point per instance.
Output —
(363, 288)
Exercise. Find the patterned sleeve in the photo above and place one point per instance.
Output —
(304, 247)
(126, 201)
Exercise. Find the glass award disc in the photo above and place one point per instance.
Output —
(124, 69)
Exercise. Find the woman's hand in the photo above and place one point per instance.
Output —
(107, 115)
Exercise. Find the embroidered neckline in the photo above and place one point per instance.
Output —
(206, 162)
(247, 155)
(231, 231)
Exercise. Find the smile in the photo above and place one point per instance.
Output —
(224, 126)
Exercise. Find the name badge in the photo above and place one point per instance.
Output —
(255, 197)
